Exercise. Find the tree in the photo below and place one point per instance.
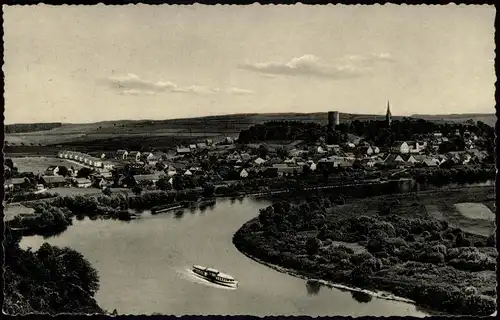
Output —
(137, 190)
(163, 184)
(313, 245)
(9, 163)
(106, 191)
(282, 152)
(63, 171)
(84, 172)
(208, 190)
(263, 151)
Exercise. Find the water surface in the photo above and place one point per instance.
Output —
(144, 268)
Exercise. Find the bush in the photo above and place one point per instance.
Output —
(313, 245)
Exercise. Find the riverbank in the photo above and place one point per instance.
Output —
(408, 252)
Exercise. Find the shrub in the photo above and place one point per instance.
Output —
(313, 245)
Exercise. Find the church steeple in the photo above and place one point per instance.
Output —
(388, 115)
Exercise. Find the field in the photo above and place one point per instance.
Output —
(164, 134)
(40, 164)
(13, 210)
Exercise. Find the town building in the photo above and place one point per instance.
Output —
(121, 154)
(83, 183)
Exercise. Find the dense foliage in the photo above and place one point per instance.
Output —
(51, 280)
(282, 130)
(411, 255)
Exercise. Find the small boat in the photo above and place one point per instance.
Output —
(215, 276)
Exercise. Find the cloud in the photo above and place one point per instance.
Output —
(239, 91)
(133, 85)
(309, 65)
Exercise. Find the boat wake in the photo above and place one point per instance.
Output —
(189, 275)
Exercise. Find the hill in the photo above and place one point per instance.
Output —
(488, 118)
(25, 138)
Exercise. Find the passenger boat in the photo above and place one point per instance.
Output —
(215, 276)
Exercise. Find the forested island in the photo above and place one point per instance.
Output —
(390, 243)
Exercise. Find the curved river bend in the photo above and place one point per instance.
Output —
(143, 268)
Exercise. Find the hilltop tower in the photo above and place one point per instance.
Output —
(333, 119)
(388, 115)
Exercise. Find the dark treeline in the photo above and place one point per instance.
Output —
(411, 256)
(282, 130)
(31, 127)
(373, 131)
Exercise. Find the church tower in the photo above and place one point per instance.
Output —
(388, 115)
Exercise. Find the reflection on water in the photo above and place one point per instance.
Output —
(313, 287)
(361, 297)
(178, 214)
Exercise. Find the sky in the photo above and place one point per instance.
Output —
(94, 63)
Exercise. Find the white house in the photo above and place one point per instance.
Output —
(134, 155)
(312, 166)
(83, 183)
(259, 161)
(171, 171)
(243, 173)
(400, 147)
(188, 173)
(121, 154)
(107, 165)
(98, 163)
(320, 149)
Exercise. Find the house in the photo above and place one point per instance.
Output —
(8, 185)
(376, 150)
(400, 147)
(259, 161)
(52, 171)
(143, 179)
(409, 159)
(228, 140)
(104, 183)
(171, 171)
(188, 173)
(244, 173)
(367, 150)
(394, 159)
(121, 154)
(245, 157)
(134, 155)
(83, 183)
(420, 146)
(431, 163)
(201, 145)
(413, 147)
(60, 154)
(148, 157)
(107, 166)
(54, 181)
(209, 142)
(369, 163)
(312, 166)
(333, 147)
(320, 149)
(183, 151)
(350, 145)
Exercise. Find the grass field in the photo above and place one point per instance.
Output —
(40, 164)
(164, 134)
(13, 210)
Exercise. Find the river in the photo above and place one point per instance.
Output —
(143, 267)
